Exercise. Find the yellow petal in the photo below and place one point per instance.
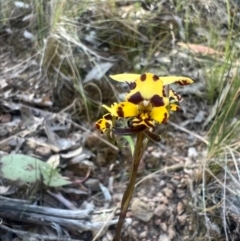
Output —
(174, 107)
(111, 109)
(181, 80)
(127, 109)
(174, 97)
(125, 77)
(104, 123)
(159, 114)
(123, 109)
(147, 87)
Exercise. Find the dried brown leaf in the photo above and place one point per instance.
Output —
(199, 49)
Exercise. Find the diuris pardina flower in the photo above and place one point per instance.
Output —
(148, 102)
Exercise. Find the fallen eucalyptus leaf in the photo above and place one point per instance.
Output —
(29, 169)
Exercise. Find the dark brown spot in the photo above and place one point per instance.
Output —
(179, 98)
(132, 85)
(108, 125)
(97, 126)
(157, 101)
(165, 118)
(120, 112)
(99, 122)
(108, 116)
(152, 136)
(135, 98)
(155, 77)
(163, 93)
(143, 77)
(182, 82)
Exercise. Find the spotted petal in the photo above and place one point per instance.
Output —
(147, 87)
(104, 123)
(181, 80)
(125, 77)
(123, 109)
(174, 97)
(159, 114)
(112, 109)
(174, 107)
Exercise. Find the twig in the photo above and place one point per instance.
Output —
(110, 217)
(37, 236)
(63, 200)
(189, 132)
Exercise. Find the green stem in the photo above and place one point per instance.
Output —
(138, 152)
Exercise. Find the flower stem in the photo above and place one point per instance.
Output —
(138, 152)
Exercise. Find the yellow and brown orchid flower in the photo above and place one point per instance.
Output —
(149, 101)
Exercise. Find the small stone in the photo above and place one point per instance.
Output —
(163, 237)
(13, 142)
(31, 144)
(157, 221)
(141, 210)
(43, 151)
(156, 200)
(171, 233)
(16, 239)
(156, 154)
(177, 177)
(3, 131)
(109, 236)
(180, 193)
(128, 222)
(92, 184)
(117, 197)
(180, 208)
(182, 219)
(160, 210)
(3, 153)
(159, 194)
(5, 148)
(164, 200)
(144, 199)
(168, 192)
(174, 182)
(133, 233)
(192, 152)
(104, 238)
(5, 118)
(162, 183)
(150, 148)
(163, 227)
(143, 234)
(135, 223)
(171, 185)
